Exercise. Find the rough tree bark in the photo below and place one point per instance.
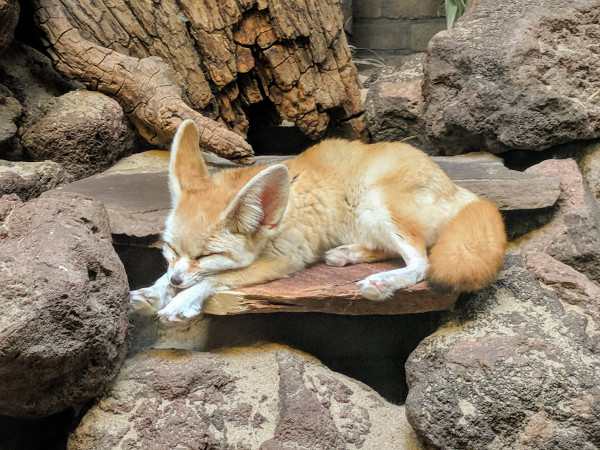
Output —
(224, 54)
(146, 88)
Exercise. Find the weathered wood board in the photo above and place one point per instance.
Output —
(487, 177)
(329, 290)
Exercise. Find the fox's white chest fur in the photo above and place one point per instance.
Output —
(342, 202)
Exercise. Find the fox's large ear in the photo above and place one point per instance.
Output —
(187, 169)
(261, 202)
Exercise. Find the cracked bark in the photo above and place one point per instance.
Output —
(217, 57)
(146, 88)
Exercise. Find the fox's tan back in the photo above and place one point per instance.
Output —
(339, 178)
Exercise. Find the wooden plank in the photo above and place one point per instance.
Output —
(325, 289)
(486, 176)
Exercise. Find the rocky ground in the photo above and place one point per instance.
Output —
(514, 365)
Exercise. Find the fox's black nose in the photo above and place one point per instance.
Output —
(176, 280)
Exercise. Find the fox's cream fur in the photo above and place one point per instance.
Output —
(339, 201)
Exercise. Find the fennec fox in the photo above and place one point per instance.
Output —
(344, 202)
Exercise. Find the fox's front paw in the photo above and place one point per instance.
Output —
(147, 301)
(184, 305)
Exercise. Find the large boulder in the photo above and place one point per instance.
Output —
(573, 234)
(268, 397)
(30, 179)
(64, 297)
(515, 75)
(515, 366)
(84, 131)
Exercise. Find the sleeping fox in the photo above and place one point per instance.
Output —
(339, 201)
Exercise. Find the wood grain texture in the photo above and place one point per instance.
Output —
(166, 61)
(146, 88)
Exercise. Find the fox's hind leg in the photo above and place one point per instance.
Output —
(398, 237)
(382, 285)
(352, 254)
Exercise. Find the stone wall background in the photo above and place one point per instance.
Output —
(394, 26)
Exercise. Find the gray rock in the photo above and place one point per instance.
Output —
(10, 111)
(514, 75)
(394, 105)
(9, 16)
(515, 366)
(30, 179)
(265, 397)
(573, 234)
(64, 297)
(84, 131)
(29, 85)
(590, 167)
(32, 80)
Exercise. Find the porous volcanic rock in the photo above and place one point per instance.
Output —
(515, 75)
(84, 131)
(515, 366)
(30, 179)
(267, 397)
(573, 234)
(394, 105)
(64, 297)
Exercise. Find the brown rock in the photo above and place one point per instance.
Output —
(514, 75)
(394, 105)
(326, 289)
(514, 365)
(573, 234)
(64, 298)
(30, 179)
(84, 131)
(573, 287)
(136, 197)
(260, 397)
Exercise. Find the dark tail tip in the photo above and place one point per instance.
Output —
(440, 288)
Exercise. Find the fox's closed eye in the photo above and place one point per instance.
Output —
(207, 254)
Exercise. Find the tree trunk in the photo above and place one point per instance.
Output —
(224, 55)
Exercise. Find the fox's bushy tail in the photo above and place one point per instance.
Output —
(470, 252)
